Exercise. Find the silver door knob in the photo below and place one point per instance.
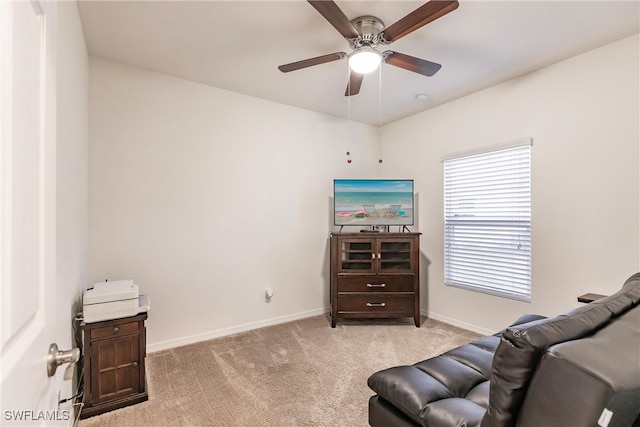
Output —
(56, 358)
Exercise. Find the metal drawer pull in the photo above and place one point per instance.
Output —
(381, 285)
(376, 304)
(116, 330)
(373, 256)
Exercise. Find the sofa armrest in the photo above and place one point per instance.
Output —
(520, 349)
(577, 380)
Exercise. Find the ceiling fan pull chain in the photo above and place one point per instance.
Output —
(349, 116)
(380, 114)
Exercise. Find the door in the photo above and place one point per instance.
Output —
(27, 210)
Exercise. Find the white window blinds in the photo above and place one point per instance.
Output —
(487, 216)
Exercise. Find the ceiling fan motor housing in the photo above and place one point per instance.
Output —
(368, 27)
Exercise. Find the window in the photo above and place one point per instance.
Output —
(487, 221)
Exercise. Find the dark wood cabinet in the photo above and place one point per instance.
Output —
(114, 368)
(375, 275)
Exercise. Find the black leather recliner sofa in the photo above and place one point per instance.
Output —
(578, 369)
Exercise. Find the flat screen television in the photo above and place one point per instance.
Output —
(373, 202)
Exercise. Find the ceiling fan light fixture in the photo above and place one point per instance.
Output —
(364, 60)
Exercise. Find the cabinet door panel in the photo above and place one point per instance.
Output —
(126, 379)
(115, 368)
(356, 255)
(396, 255)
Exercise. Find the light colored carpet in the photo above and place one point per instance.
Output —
(302, 373)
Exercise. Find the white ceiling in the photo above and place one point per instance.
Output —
(237, 46)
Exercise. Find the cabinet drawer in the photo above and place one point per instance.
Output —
(376, 283)
(378, 302)
(114, 330)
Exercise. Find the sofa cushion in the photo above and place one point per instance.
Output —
(480, 394)
(519, 351)
(408, 389)
(454, 412)
(450, 389)
(383, 413)
(458, 378)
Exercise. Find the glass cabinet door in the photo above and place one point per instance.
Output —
(395, 256)
(357, 256)
(376, 256)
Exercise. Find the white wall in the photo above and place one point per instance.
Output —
(583, 115)
(72, 136)
(206, 197)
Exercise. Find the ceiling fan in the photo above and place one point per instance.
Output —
(365, 33)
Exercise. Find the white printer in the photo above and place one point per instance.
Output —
(113, 300)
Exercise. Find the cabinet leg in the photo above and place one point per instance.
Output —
(416, 319)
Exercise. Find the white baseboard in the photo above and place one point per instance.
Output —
(192, 339)
(464, 325)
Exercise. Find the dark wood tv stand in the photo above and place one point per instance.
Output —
(375, 275)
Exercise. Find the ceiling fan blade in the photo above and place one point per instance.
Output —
(311, 61)
(336, 17)
(411, 63)
(355, 81)
(426, 13)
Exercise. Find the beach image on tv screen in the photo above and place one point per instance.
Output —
(373, 202)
